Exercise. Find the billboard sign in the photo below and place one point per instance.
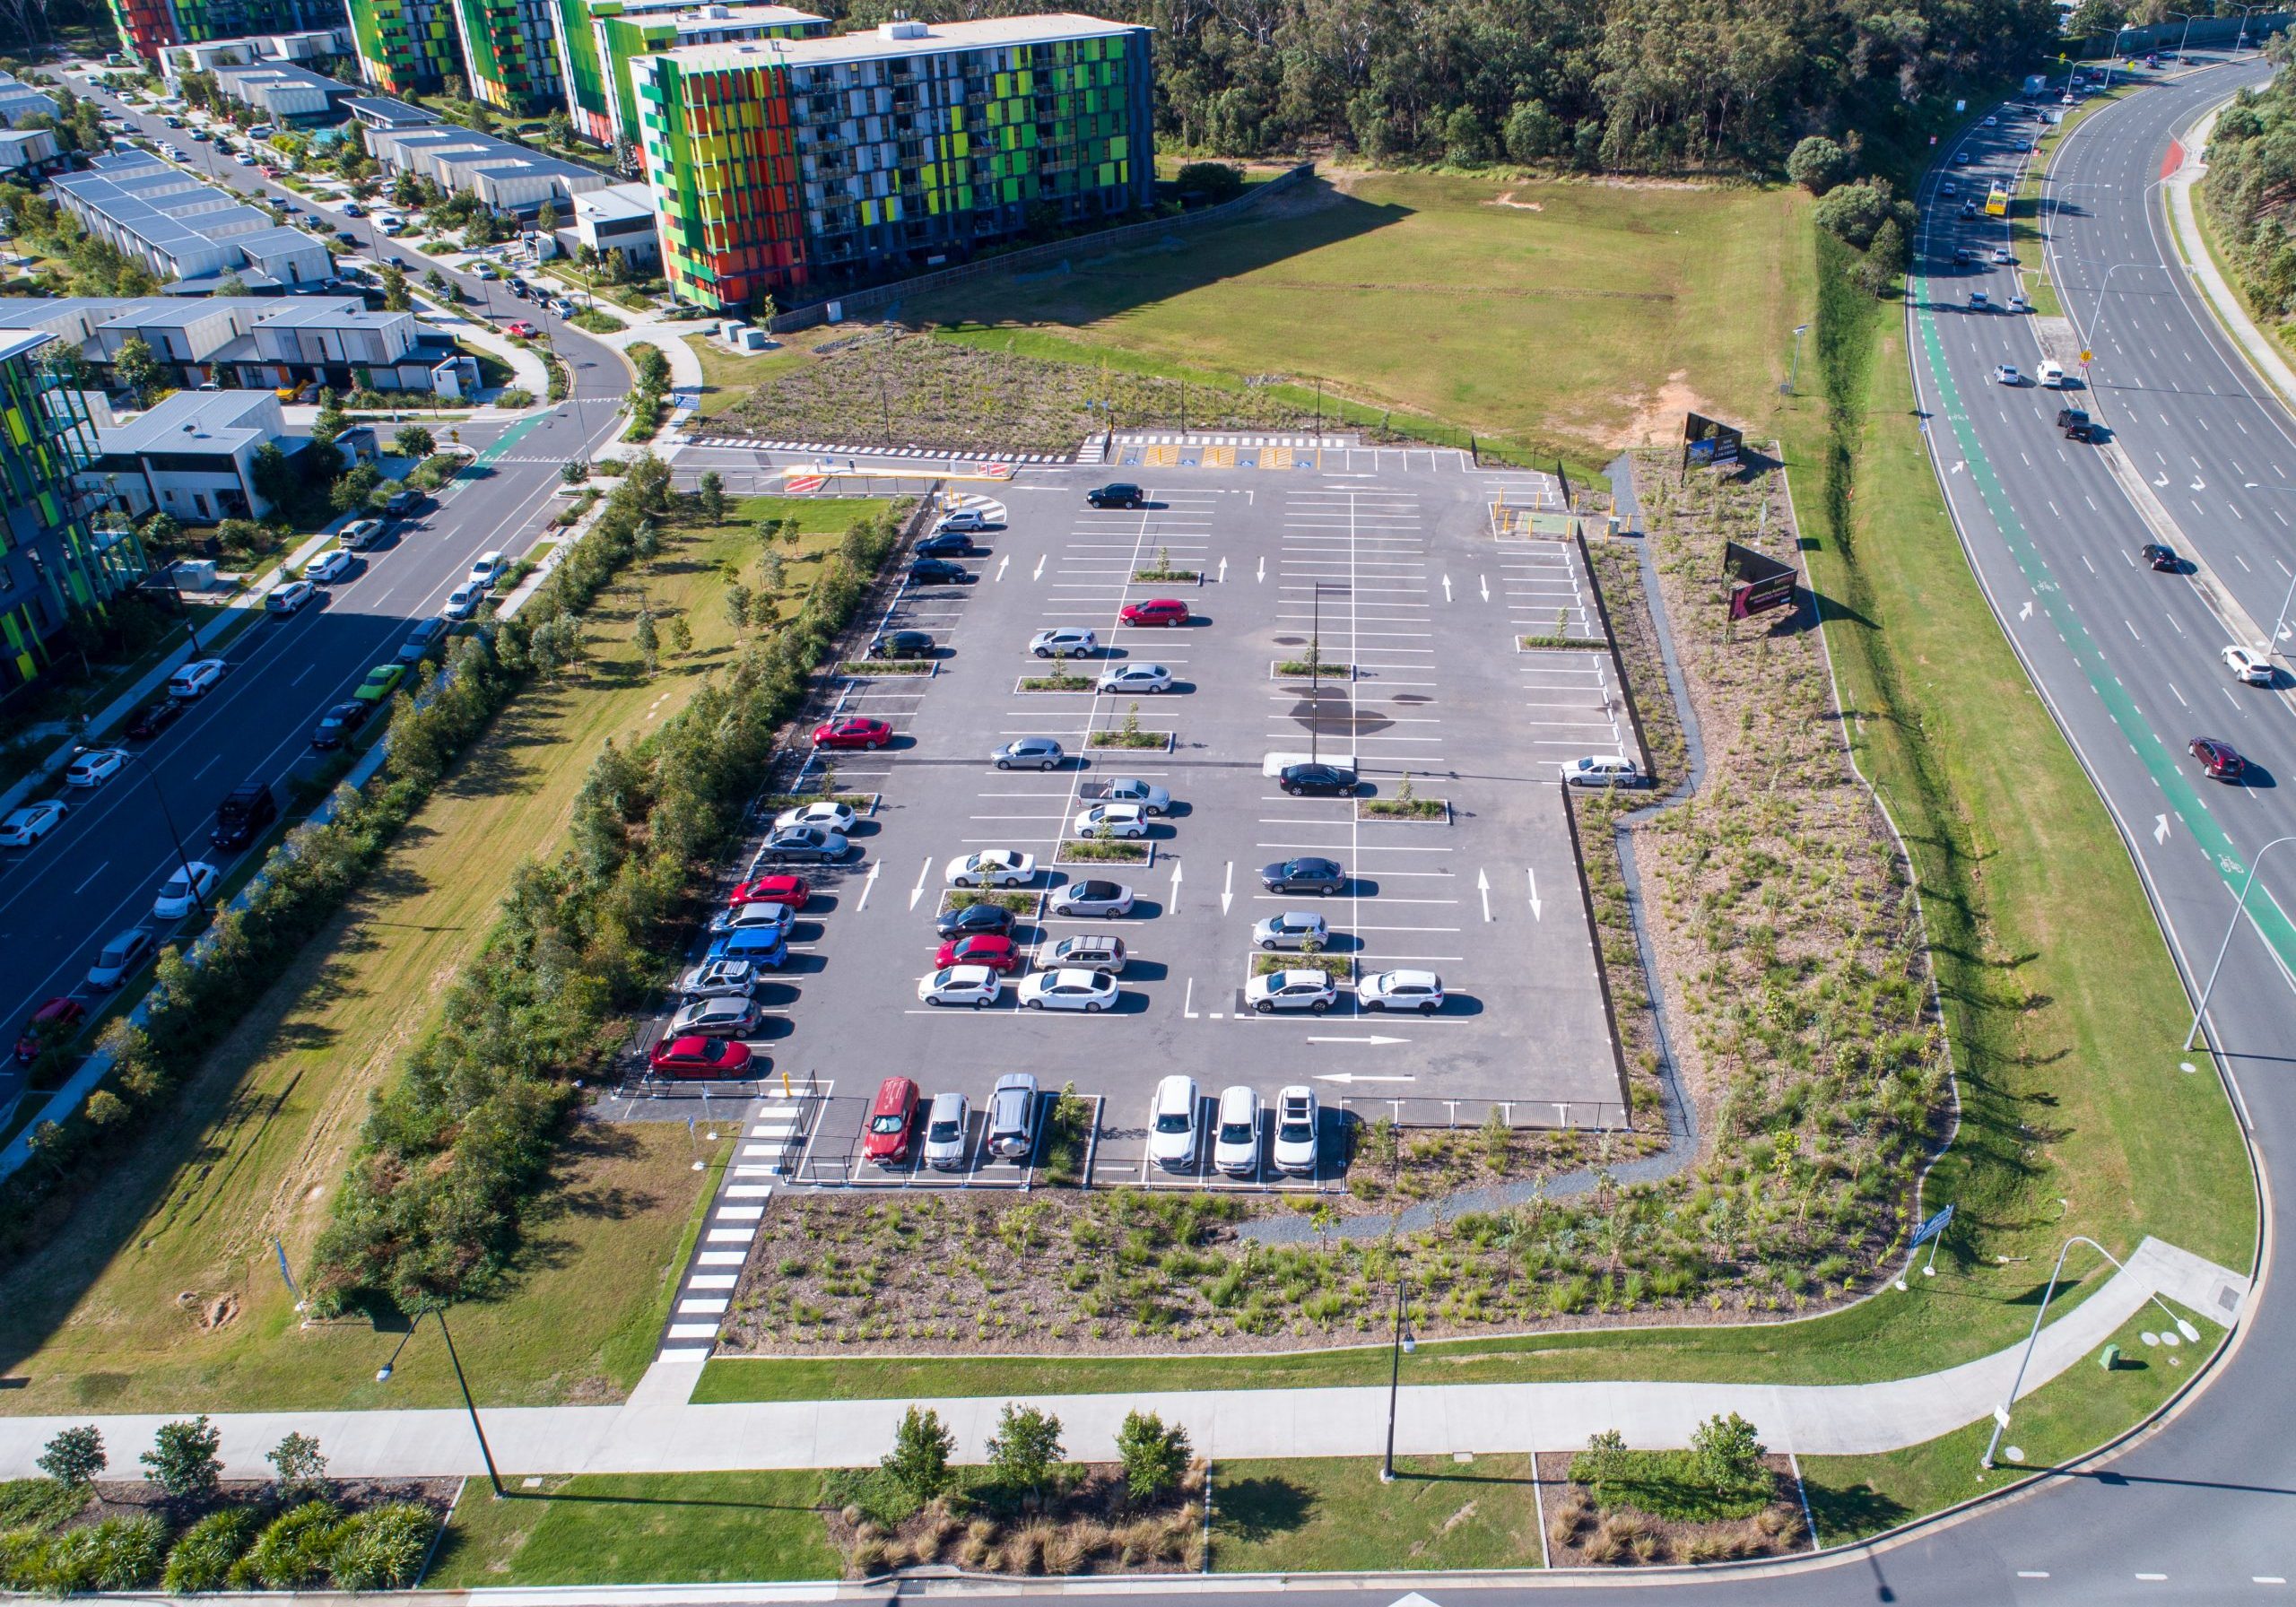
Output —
(1758, 583)
(1707, 442)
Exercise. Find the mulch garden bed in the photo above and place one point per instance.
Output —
(1581, 1534)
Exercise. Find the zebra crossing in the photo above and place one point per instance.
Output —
(1201, 437)
(767, 1139)
(936, 454)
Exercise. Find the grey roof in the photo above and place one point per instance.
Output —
(616, 200)
(485, 148)
(192, 421)
(384, 112)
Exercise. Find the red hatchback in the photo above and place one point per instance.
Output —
(794, 891)
(2219, 759)
(699, 1056)
(1157, 611)
(890, 1121)
(852, 733)
(989, 948)
(51, 1023)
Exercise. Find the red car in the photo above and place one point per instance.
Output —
(1157, 611)
(699, 1056)
(521, 330)
(51, 1023)
(852, 733)
(989, 948)
(890, 1117)
(794, 891)
(2219, 757)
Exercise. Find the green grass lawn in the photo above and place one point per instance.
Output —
(727, 379)
(1852, 1497)
(96, 1317)
(1573, 320)
(1332, 1515)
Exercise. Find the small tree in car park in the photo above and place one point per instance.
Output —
(711, 496)
(919, 1459)
(301, 1470)
(413, 440)
(1606, 1460)
(75, 1456)
(1154, 1456)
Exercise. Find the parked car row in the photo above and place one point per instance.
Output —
(1008, 1129)
(1176, 1132)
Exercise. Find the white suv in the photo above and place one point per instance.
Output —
(2251, 665)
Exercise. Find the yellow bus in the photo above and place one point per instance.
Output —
(1996, 204)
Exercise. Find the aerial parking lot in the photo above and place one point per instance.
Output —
(1416, 947)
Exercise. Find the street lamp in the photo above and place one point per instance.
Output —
(383, 1376)
(2096, 312)
(2185, 35)
(1795, 372)
(2239, 907)
(2001, 1412)
(2281, 623)
(1405, 1342)
(183, 858)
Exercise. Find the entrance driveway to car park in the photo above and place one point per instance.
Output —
(1392, 565)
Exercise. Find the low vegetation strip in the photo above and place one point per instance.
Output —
(451, 1154)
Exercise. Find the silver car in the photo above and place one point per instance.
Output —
(1011, 1126)
(730, 1016)
(719, 979)
(1087, 951)
(1294, 1151)
(1302, 929)
(948, 1132)
(1029, 753)
(1063, 641)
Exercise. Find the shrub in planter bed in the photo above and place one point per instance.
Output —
(202, 1559)
(293, 1553)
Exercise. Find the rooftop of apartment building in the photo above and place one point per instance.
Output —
(380, 111)
(21, 343)
(467, 146)
(895, 39)
(236, 82)
(689, 18)
(18, 100)
(196, 421)
(615, 203)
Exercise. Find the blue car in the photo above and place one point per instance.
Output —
(763, 946)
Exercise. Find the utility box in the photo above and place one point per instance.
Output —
(2109, 1359)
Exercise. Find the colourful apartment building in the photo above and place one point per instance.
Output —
(596, 39)
(805, 165)
(147, 27)
(510, 53)
(51, 564)
(406, 47)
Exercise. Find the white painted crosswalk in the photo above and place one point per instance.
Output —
(736, 1217)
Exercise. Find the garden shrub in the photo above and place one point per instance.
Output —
(203, 1557)
(295, 1552)
(383, 1547)
(119, 1553)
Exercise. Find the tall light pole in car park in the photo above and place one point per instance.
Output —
(1316, 667)
(1403, 1344)
(2185, 35)
(183, 857)
(2240, 908)
(2088, 333)
(383, 1376)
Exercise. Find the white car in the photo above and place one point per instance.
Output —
(330, 565)
(1112, 820)
(362, 534)
(992, 867)
(948, 1132)
(1992, 122)
(2006, 373)
(1290, 990)
(1063, 641)
(1401, 990)
(463, 602)
(1235, 1134)
(829, 815)
(196, 679)
(2052, 375)
(761, 916)
(487, 569)
(1130, 789)
(28, 825)
(1136, 678)
(1295, 1148)
(2001, 254)
(288, 598)
(96, 767)
(1172, 1123)
(1602, 769)
(973, 985)
(963, 520)
(1089, 991)
(719, 979)
(180, 893)
(2250, 664)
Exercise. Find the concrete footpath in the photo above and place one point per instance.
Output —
(657, 1430)
(2223, 300)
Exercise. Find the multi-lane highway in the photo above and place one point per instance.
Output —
(98, 874)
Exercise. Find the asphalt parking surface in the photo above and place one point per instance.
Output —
(1396, 572)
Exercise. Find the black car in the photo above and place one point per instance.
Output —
(948, 543)
(2074, 422)
(1302, 778)
(934, 571)
(335, 726)
(152, 719)
(901, 644)
(247, 811)
(344, 237)
(402, 503)
(1305, 875)
(2159, 557)
(975, 920)
(1116, 495)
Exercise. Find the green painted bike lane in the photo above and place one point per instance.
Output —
(2159, 759)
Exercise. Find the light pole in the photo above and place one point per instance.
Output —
(2001, 1412)
(2096, 312)
(183, 857)
(2239, 907)
(1795, 373)
(383, 1376)
(2245, 11)
(1405, 1342)
(2184, 36)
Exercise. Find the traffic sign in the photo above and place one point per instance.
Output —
(2085, 357)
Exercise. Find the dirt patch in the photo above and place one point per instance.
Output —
(219, 1312)
(1506, 198)
(1657, 416)
(1582, 1534)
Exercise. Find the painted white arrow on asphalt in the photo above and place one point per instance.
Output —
(1484, 581)
(917, 892)
(1533, 876)
(2026, 613)
(2160, 827)
(1482, 886)
(867, 887)
(1447, 588)
(1005, 562)
(2197, 484)
(1227, 888)
(1362, 1076)
(1263, 566)
(2164, 480)
(1174, 907)
(1959, 465)
(1037, 573)
(1223, 569)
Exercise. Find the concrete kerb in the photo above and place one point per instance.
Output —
(2200, 266)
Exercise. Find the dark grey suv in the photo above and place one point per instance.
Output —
(1010, 1127)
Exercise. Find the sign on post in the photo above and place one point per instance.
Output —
(1707, 441)
(1760, 583)
(1932, 1227)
